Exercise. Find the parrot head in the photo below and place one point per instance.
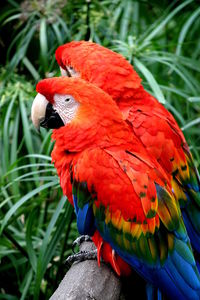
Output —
(94, 63)
(63, 101)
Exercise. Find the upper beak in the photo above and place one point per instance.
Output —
(38, 110)
(43, 114)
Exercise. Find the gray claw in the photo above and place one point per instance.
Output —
(82, 256)
(80, 240)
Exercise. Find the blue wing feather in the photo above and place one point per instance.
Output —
(193, 234)
(85, 218)
(177, 278)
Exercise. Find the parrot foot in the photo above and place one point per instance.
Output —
(82, 256)
(80, 240)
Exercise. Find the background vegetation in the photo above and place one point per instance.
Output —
(161, 40)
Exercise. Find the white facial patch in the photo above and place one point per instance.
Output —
(63, 72)
(72, 72)
(66, 106)
(69, 72)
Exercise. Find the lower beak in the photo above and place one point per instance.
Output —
(43, 114)
(52, 119)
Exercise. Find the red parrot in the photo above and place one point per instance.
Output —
(118, 189)
(150, 121)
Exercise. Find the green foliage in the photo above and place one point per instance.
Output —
(37, 223)
(36, 229)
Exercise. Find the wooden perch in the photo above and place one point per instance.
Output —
(86, 281)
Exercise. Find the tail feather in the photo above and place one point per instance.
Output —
(193, 233)
(188, 194)
(153, 293)
(178, 278)
(192, 184)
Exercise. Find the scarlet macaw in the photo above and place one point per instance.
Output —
(118, 189)
(149, 120)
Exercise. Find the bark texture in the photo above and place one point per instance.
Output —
(86, 281)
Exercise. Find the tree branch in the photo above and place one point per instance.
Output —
(86, 281)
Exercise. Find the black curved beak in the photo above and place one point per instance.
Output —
(52, 120)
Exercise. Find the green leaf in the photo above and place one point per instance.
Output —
(6, 132)
(43, 43)
(45, 256)
(185, 29)
(31, 68)
(151, 80)
(30, 249)
(27, 283)
(26, 125)
(160, 27)
(191, 123)
(125, 20)
(22, 201)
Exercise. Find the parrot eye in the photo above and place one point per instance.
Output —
(62, 99)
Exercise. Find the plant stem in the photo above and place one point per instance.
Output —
(15, 243)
